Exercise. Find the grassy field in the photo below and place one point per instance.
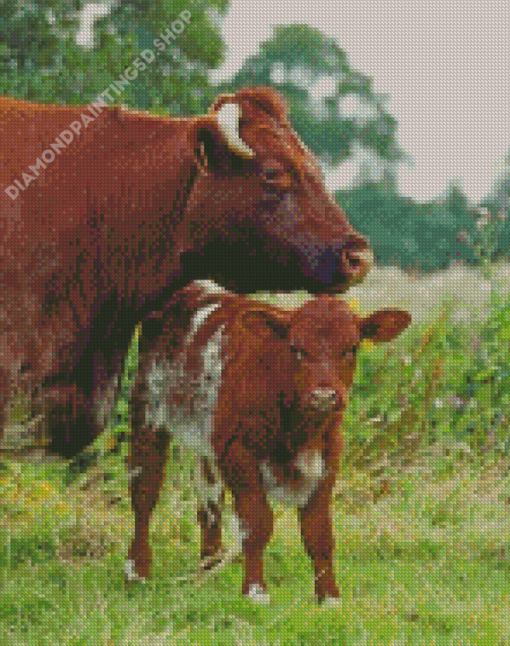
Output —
(421, 511)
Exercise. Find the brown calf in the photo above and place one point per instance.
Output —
(258, 392)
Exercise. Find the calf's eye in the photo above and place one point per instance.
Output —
(299, 354)
(349, 354)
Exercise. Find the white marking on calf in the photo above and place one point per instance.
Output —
(208, 492)
(130, 572)
(192, 420)
(239, 531)
(210, 287)
(258, 595)
(331, 602)
(311, 465)
(134, 473)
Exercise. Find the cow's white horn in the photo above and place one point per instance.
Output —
(227, 118)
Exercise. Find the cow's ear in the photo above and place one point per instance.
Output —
(384, 325)
(215, 139)
(205, 144)
(261, 321)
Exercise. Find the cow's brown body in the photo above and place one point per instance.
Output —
(132, 210)
(258, 392)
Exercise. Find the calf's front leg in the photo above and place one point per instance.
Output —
(317, 533)
(255, 517)
(240, 471)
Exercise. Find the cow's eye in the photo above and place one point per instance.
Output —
(271, 174)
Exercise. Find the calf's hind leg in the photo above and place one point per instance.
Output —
(211, 496)
(149, 452)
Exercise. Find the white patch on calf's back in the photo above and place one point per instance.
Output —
(183, 405)
(311, 465)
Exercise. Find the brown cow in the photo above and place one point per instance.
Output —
(132, 210)
(258, 392)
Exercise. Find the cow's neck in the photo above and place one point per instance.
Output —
(123, 216)
(144, 210)
(117, 252)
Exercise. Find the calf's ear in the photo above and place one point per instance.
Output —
(384, 325)
(261, 321)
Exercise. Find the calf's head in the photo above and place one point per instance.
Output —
(258, 215)
(318, 344)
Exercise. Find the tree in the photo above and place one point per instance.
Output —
(332, 107)
(33, 38)
(498, 197)
(40, 59)
(177, 81)
(404, 232)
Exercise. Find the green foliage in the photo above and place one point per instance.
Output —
(40, 60)
(177, 80)
(487, 382)
(306, 45)
(449, 382)
(408, 233)
(292, 61)
(33, 40)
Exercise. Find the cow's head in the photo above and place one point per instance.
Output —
(320, 341)
(258, 214)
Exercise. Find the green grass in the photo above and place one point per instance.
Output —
(421, 518)
(427, 563)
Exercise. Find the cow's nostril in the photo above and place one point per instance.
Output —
(355, 258)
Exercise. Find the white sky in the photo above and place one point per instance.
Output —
(445, 65)
(89, 14)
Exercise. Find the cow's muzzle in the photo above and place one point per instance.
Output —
(343, 265)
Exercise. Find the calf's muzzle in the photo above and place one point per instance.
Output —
(324, 399)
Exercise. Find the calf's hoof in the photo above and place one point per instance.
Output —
(130, 573)
(331, 602)
(258, 595)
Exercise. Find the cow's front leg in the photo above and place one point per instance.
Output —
(70, 420)
(149, 452)
(317, 533)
